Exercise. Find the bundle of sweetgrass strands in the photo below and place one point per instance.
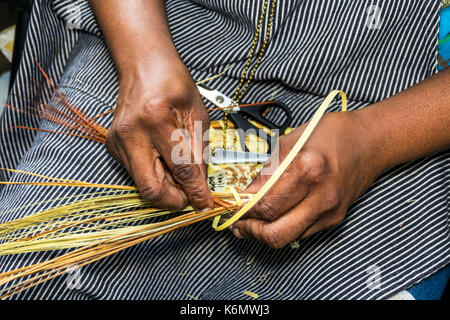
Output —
(100, 224)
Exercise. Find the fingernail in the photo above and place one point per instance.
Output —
(237, 234)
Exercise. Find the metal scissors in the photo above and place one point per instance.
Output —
(241, 118)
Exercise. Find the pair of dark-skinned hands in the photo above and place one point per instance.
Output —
(344, 155)
(327, 176)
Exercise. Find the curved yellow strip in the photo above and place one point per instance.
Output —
(290, 157)
(216, 221)
(235, 195)
(238, 202)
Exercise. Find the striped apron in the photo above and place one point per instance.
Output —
(394, 235)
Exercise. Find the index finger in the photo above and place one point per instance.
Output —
(188, 173)
(284, 195)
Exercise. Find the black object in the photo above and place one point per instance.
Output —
(446, 295)
(23, 5)
(257, 113)
(24, 8)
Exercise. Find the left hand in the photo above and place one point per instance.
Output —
(337, 164)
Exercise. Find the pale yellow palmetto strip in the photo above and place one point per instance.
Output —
(63, 182)
(35, 175)
(288, 160)
(238, 200)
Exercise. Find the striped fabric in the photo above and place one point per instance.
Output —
(394, 236)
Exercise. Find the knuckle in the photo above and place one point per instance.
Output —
(198, 195)
(272, 237)
(151, 192)
(315, 166)
(122, 130)
(264, 210)
(156, 112)
(184, 173)
(193, 184)
(331, 200)
(157, 103)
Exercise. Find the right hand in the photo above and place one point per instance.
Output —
(153, 101)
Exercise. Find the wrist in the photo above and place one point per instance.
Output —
(371, 140)
(148, 64)
(135, 31)
(140, 57)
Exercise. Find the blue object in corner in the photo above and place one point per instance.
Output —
(444, 36)
(431, 288)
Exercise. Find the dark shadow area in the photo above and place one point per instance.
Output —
(446, 295)
(14, 12)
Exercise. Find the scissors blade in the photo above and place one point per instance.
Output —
(222, 156)
(216, 97)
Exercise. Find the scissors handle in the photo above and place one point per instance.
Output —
(256, 112)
